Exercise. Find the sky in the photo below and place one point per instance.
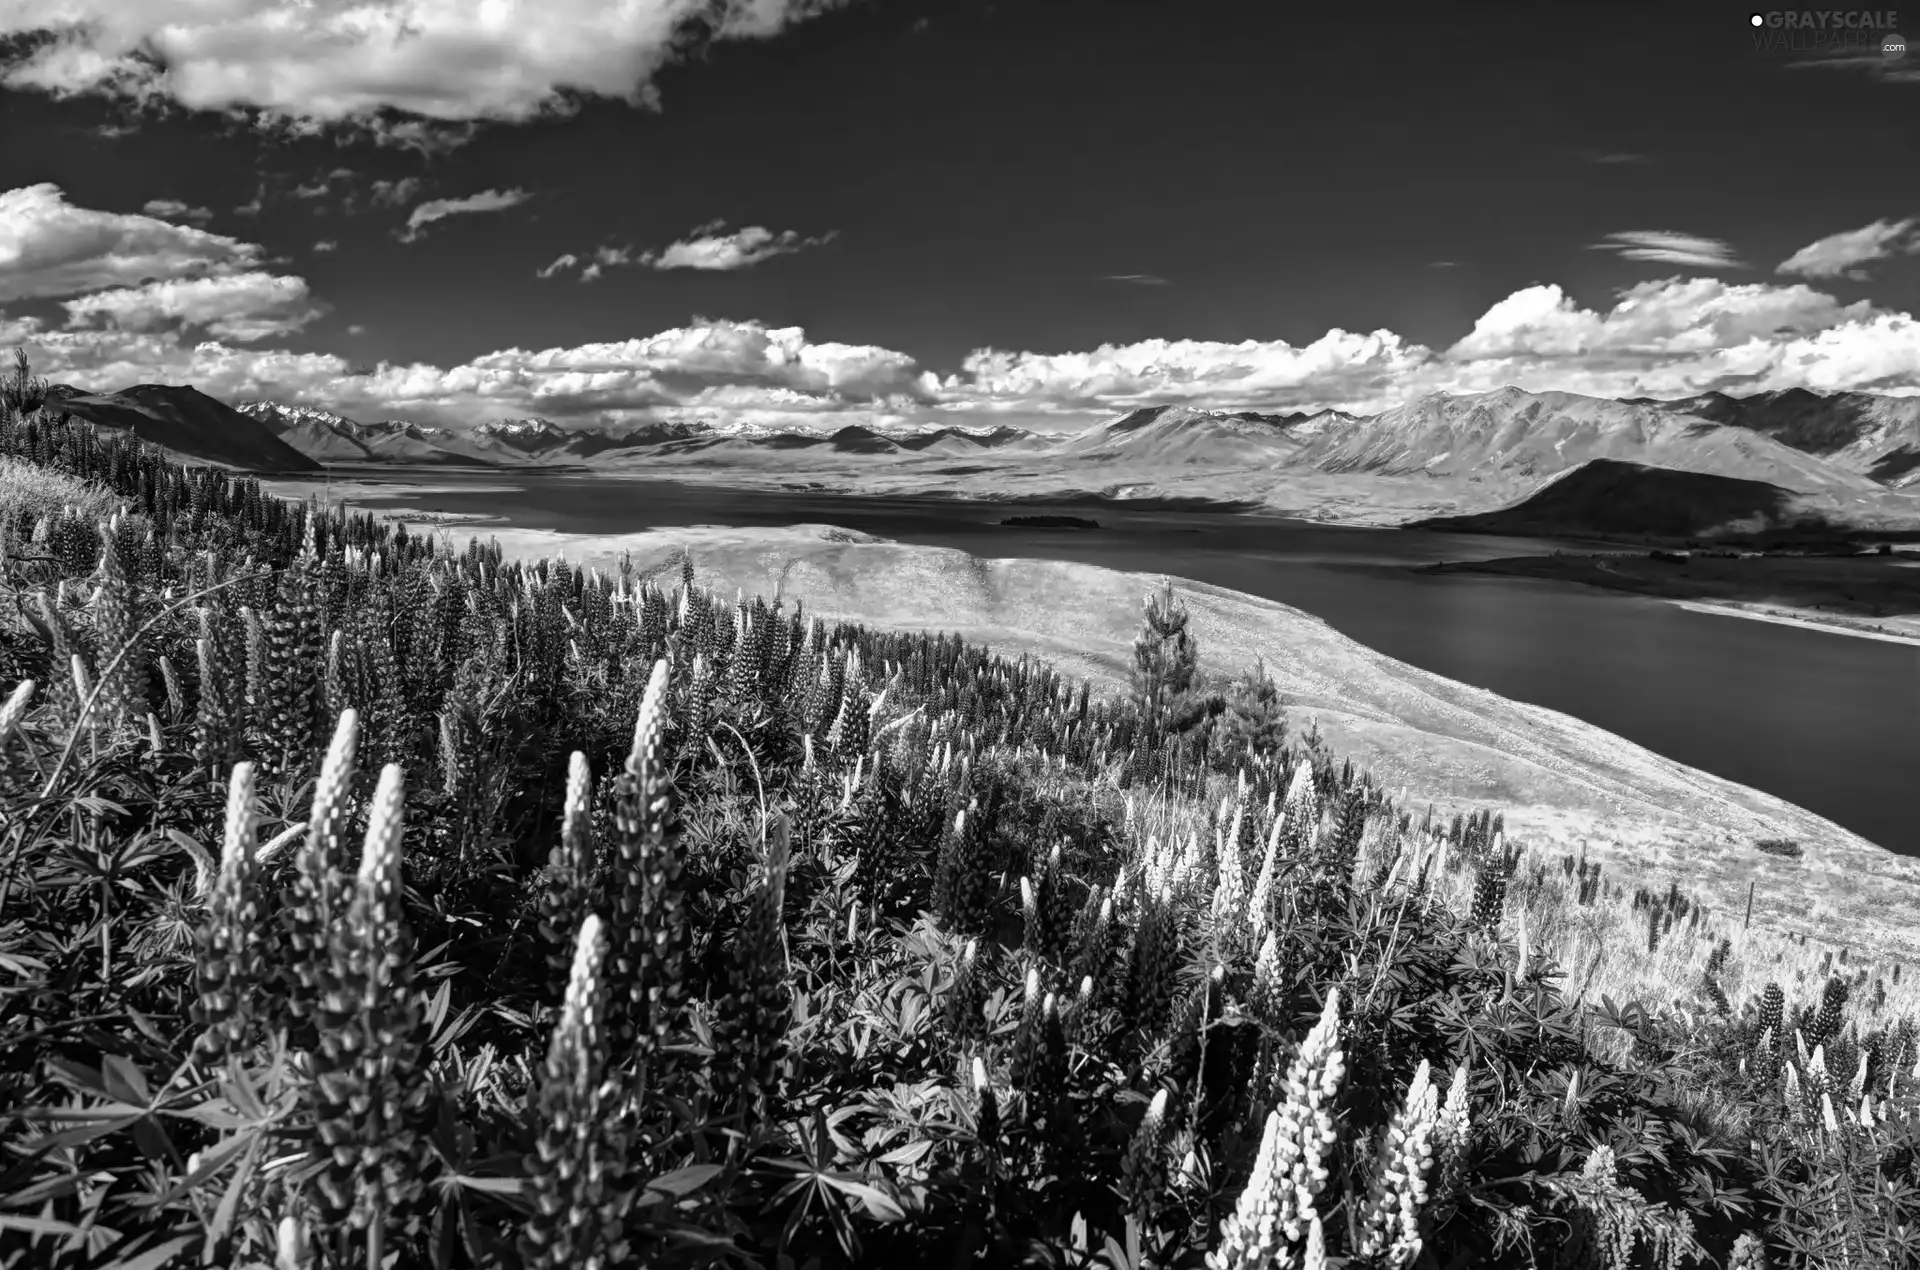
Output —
(1040, 212)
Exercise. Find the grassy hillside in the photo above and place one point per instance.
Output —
(364, 904)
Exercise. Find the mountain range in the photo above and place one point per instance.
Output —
(1837, 447)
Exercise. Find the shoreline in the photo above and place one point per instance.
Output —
(1790, 617)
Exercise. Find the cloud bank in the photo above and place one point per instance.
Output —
(317, 64)
(146, 299)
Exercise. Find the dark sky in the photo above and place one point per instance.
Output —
(1053, 176)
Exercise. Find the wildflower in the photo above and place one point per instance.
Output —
(1144, 1169)
(15, 709)
(230, 967)
(1390, 1223)
(574, 1173)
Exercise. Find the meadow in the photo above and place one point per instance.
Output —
(365, 902)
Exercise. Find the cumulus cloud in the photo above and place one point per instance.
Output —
(325, 245)
(1665, 338)
(441, 208)
(1842, 254)
(243, 307)
(1664, 246)
(313, 65)
(174, 209)
(1672, 317)
(48, 247)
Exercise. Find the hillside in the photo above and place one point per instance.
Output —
(1563, 782)
(1878, 436)
(1179, 436)
(1538, 434)
(1612, 498)
(187, 424)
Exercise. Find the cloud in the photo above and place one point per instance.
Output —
(1841, 254)
(1617, 157)
(1138, 279)
(713, 247)
(1669, 248)
(325, 244)
(1443, 264)
(174, 209)
(48, 247)
(1666, 338)
(312, 67)
(710, 247)
(252, 206)
(1872, 64)
(244, 307)
(441, 208)
(394, 193)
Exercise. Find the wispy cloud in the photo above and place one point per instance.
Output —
(1138, 279)
(1444, 264)
(1842, 254)
(1667, 247)
(711, 247)
(441, 208)
(325, 244)
(1874, 65)
(1617, 157)
(174, 209)
(394, 193)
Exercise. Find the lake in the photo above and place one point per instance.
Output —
(1829, 722)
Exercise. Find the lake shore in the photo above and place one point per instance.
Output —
(1870, 597)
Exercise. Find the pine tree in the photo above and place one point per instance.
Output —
(1165, 660)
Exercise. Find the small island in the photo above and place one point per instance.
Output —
(1051, 522)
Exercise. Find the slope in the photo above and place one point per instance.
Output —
(1513, 432)
(1612, 498)
(187, 424)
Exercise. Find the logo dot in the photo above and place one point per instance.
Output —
(1758, 19)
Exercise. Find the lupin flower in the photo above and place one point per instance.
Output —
(1390, 1223)
(650, 917)
(365, 1086)
(15, 709)
(1144, 1169)
(987, 1122)
(1291, 1172)
(1250, 1235)
(231, 966)
(292, 1251)
(574, 1173)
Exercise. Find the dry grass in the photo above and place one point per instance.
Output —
(36, 491)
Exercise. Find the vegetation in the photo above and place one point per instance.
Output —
(366, 904)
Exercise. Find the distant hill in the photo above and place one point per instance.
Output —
(1516, 433)
(1180, 436)
(1610, 498)
(187, 424)
(334, 438)
(1878, 436)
